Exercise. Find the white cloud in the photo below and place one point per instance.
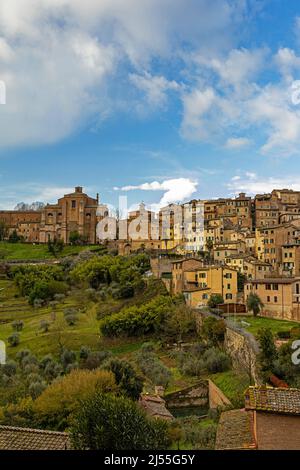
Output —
(251, 183)
(175, 190)
(62, 60)
(237, 142)
(240, 66)
(10, 196)
(213, 111)
(154, 87)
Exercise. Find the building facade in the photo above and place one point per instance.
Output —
(75, 212)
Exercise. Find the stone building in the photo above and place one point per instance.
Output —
(269, 421)
(75, 212)
(280, 296)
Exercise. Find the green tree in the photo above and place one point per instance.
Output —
(209, 245)
(241, 279)
(14, 339)
(55, 246)
(59, 400)
(215, 300)
(44, 325)
(14, 237)
(254, 304)
(127, 379)
(107, 422)
(214, 330)
(18, 325)
(268, 352)
(3, 230)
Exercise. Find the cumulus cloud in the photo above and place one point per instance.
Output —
(229, 101)
(155, 88)
(237, 142)
(175, 190)
(251, 183)
(62, 60)
(10, 196)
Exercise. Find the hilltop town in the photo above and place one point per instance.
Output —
(258, 238)
(186, 318)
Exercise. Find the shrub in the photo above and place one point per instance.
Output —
(215, 300)
(18, 325)
(84, 352)
(36, 389)
(67, 357)
(134, 321)
(127, 379)
(14, 339)
(44, 326)
(284, 334)
(9, 369)
(96, 359)
(54, 406)
(216, 361)
(214, 330)
(124, 426)
(71, 319)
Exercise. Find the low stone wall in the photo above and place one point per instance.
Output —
(216, 397)
(197, 395)
(205, 395)
(243, 350)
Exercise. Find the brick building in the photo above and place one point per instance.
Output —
(75, 212)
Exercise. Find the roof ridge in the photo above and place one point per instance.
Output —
(32, 430)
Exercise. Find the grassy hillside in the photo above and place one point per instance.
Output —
(26, 251)
(85, 332)
(256, 323)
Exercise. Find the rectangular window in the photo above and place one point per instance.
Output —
(275, 300)
(73, 204)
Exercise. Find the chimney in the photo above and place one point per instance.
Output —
(97, 197)
(78, 189)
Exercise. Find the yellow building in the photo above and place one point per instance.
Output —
(291, 259)
(200, 283)
(280, 296)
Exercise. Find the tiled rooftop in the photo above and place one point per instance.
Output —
(278, 400)
(155, 406)
(236, 431)
(12, 438)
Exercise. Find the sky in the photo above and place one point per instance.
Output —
(159, 100)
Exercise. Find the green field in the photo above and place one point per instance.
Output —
(85, 332)
(27, 251)
(256, 323)
(233, 384)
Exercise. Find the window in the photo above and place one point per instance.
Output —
(268, 286)
(73, 204)
(228, 296)
(275, 300)
(275, 286)
(268, 298)
(228, 286)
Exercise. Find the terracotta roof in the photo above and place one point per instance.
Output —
(270, 280)
(12, 438)
(274, 400)
(155, 406)
(236, 431)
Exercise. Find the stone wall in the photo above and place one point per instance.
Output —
(205, 395)
(197, 395)
(243, 350)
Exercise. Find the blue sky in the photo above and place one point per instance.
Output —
(161, 100)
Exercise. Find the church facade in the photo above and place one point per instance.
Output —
(75, 212)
